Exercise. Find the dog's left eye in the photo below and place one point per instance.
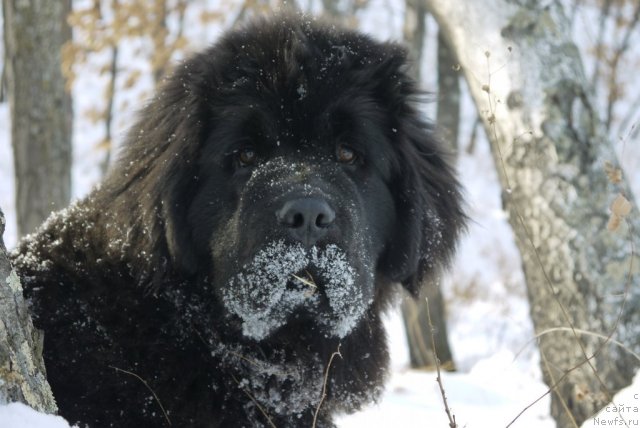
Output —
(346, 154)
(246, 157)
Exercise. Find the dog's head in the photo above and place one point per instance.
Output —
(292, 169)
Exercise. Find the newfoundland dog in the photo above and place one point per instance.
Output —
(233, 268)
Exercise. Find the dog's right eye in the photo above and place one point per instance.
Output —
(346, 154)
(246, 157)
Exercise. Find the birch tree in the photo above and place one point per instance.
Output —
(414, 312)
(566, 198)
(22, 372)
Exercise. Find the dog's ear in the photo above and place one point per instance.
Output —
(427, 193)
(157, 166)
(177, 182)
(428, 206)
(175, 202)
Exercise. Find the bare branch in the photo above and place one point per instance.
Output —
(144, 382)
(452, 417)
(324, 385)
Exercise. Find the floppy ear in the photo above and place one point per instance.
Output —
(150, 186)
(428, 206)
(427, 193)
(175, 181)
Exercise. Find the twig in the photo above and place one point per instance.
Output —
(144, 382)
(584, 332)
(310, 282)
(414, 330)
(614, 64)
(452, 417)
(572, 419)
(324, 385)
(605, 12)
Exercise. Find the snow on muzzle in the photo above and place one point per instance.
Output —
(270, 288)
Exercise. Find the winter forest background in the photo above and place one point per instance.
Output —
(115, 52)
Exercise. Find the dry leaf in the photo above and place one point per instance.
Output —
(105, 144)
(614, 174)
(621, 206)
(132, 79)
(309, 282)
(614, 222)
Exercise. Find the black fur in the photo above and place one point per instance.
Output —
(144, 288)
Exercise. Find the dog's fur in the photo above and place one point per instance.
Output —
(169, 292)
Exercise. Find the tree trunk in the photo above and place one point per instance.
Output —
(35, 32)
(414, 313)
(22, 373)
(526, 78)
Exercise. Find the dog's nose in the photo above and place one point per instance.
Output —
(306, 219)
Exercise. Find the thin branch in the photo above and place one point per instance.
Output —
(630, 121)
(604, 15)
(324, 385)
(615, 63)
(559, 396)
(584, 332)
(144, 382)
(452, 417)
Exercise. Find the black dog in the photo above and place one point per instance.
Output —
(265, 205)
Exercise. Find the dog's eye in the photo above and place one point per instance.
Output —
(246, 157)
(346, 154)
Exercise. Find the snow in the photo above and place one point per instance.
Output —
(259, 294)
(490, 395)
(18, 415)
(488, 315)
(6, 176)
(261, 297)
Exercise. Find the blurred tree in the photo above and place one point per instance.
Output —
(618, 22)
(414, 313)
(41, 115)
(102, 27)
(559, 174)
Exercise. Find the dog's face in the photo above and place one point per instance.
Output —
(302, 183)
(301, 214)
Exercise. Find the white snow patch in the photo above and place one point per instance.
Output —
(18, 415)
(260, 296)
(490, 396)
